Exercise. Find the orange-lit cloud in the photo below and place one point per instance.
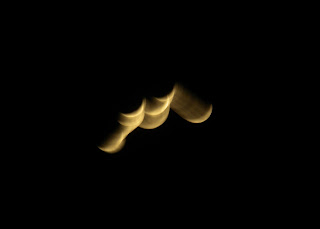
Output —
(153, 112)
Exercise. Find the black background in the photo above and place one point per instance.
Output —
(81, 70)
(81, 75)
(72, 70)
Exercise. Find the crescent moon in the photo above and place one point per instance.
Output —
(127, 123)
(113, 143)
(205, 114)
(113, 147)
(157, 111)
(134, 118)
(152, 121)
(190, 107)
(152, 113)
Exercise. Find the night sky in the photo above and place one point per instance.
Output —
(83, 76)
(90, 85)
(71, 71)
(175, 140)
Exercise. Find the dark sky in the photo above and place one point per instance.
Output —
(76, 114)
(72, 72)
(91, 82)
(176, 139)
(82, 76)
(176, 145)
